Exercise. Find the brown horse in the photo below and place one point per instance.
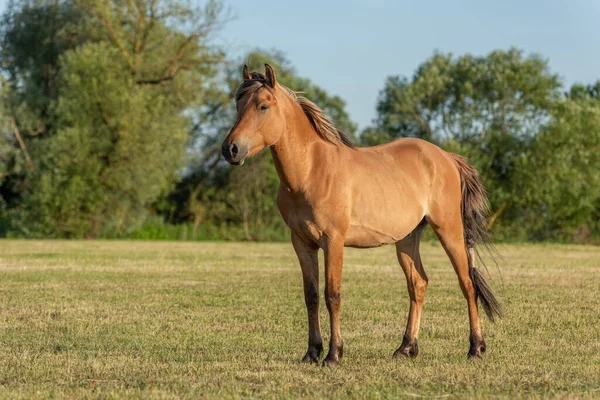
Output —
(333, 194)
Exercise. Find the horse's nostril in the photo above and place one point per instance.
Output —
(233, 149)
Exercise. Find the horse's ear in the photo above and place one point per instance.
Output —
(246, 74)
(270, 76)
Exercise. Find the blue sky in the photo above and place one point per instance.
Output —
(349, 47)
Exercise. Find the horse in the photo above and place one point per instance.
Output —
(333, 194)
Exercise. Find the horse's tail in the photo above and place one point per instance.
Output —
(475, 210)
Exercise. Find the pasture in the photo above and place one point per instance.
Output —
(188, 320)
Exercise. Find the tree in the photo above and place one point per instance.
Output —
(565, 157)
(112, 116)
(6, 147)
(579, 91)
(27, 78)
(9, 161)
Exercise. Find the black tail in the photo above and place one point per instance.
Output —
(484, 294)
(474, 206)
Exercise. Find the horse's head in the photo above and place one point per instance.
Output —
(260, 121)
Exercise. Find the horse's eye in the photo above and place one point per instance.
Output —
(263, 108)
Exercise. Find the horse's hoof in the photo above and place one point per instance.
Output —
(407, 352)
(334, 356)
(409, 349)
(476, 352)
(331, 363)
(310, 359)
(313, 353)
(477, 348)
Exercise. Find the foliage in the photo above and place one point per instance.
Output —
(579, 91)
(562, 184)
(113, 123)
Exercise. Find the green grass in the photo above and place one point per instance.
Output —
(174, 319)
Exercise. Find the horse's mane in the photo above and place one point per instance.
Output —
(322, 124)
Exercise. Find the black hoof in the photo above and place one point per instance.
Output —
(312, 354)
(334, 356)
(408, 349)
(310, 359)
(477, 348)
(330, 362)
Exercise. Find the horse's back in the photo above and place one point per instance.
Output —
(407, 147)
(411, 160)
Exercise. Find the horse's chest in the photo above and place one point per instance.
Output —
(300, 217)
(302, 222)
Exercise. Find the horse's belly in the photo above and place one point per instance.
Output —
(365, 236)
(372, 227)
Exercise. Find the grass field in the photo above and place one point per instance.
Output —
(174, 319)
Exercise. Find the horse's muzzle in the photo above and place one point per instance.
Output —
(234, 153)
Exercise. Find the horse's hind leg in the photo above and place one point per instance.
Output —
(450, 232)
(410, 259)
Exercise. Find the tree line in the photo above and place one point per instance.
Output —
(112, 113)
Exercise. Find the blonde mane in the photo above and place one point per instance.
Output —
(322, 124)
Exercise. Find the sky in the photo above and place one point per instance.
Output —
(349, 47)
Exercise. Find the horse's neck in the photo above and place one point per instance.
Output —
(294, 154)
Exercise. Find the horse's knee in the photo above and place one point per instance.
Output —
(420, 287)
(416, 289)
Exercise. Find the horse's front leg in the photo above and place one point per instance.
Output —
(334, 258)
(309, 262)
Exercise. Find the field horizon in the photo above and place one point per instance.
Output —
(157, 319)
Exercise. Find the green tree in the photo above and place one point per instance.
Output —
(113, 126)
(580, 91)
(28, 74)
(6, 147)
(561, 174)
(9, 161)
